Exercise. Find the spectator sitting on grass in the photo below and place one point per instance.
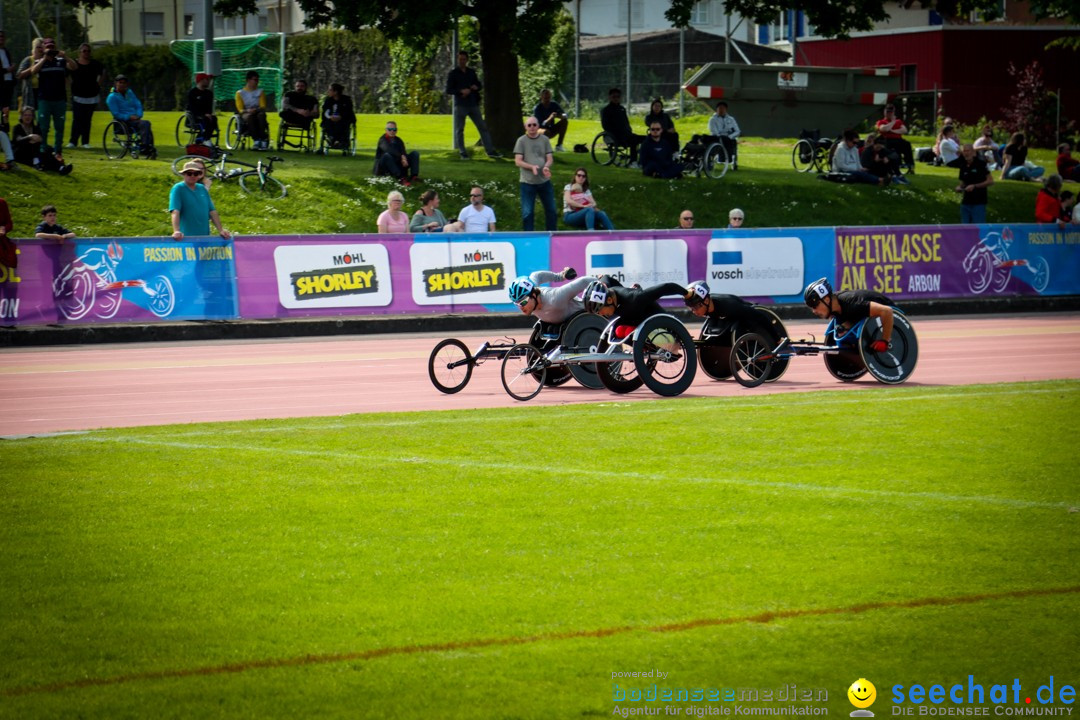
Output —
(656, 155)
(1047, 203)
(393, 220)
(29, 148)
(1015, 166)
(476, 216)
(392, 159)
(430, 219)
(49, 229)
(847, 160)
(579, 207)
(880, 161)
(1067, 166)
(657, 114)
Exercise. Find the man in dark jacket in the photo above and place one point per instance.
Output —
(392, 159)
(616, 124)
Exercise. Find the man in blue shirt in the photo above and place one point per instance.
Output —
(126, 108)
(191, 206)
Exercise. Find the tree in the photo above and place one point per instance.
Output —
(507, 30)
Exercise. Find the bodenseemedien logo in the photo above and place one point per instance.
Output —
(862, 695)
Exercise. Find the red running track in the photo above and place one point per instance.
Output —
(92, 386)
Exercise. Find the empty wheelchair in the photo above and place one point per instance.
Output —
(187, 131)
(606, 151)
(704, 158)
(813, 152)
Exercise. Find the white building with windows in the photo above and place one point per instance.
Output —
(158, 22)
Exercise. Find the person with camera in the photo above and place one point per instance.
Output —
(52, 72)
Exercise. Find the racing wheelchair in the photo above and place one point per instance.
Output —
(658, 353)
(718, 337)
(847, 352)
(450, 364)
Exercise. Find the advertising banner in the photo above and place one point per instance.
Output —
(767, 264)
(106, 280)
(954, 261)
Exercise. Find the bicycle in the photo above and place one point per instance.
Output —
(254, 179)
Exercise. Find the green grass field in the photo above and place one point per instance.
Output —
(129, 198)
(504, 563)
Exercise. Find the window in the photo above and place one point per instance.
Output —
(264, 23)
(189, 25)
(908, 78)
(778, 30)
(636, 13)
(153, 24)
(701, 13)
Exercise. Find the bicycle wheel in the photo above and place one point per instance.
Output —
(523, 372)
(751, 360)
(664, 356)
(604, 149)
(115, 140)
(267, 186)
(450, 366)
(716, 161)
(802, 156)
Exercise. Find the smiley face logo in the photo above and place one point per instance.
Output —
(862, 693)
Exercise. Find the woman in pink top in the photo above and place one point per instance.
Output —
(393, 220)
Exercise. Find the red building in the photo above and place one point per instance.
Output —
(971, 63)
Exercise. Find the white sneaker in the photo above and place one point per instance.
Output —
(560, 148)
(70, 145)
(87, 146)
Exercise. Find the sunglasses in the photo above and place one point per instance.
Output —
(688, 219)
(580, 175)
(391, 129)
(736, 219)
(531, 125)
(522, 303)
(196, 173)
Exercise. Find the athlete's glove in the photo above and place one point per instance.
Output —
(569, 273)
(879, 346)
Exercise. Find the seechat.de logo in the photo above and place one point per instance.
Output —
(862, 695)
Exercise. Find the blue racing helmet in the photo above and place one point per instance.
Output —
(521, 288)
(595, 296)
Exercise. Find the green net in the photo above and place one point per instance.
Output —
(264, 53)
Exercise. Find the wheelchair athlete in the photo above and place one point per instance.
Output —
(552, 306)
(718, 306)
(850, 307)
(606, 297)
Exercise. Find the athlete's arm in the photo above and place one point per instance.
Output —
(886, 314)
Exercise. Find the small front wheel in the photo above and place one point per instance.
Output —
(523, 372)
(267, 186)
(751, 360)
(450, 366)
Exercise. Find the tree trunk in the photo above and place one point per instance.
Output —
(502, 91)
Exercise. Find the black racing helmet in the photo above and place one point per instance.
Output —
(696, 293)
(816, 292)
(595, 296)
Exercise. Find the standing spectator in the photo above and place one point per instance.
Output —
(430, 219)
(552, 118)
(251, 105)
(477, 217)
(297, 107)
(657, 114)
(985, 145)
(49, 229)
(52, 72)
(125, 107)
(190, 206)
(579, 207)
(392, 219)
(29, 147)
(392, 159)
(735, 219)
(892, 129)
(616, 123)
(86, 75)
(338, 116)
(975, 177)
(29, 94)
(1067, 166)
(8, 253)
(948, 148)
(846, 160)
(1015, 166)
(8, 70)
(880, 161)
(464, 84)
(723, 126)
(686, 220)
(533, 155)
(1047, 203)
(656, 155)
(200, 109)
